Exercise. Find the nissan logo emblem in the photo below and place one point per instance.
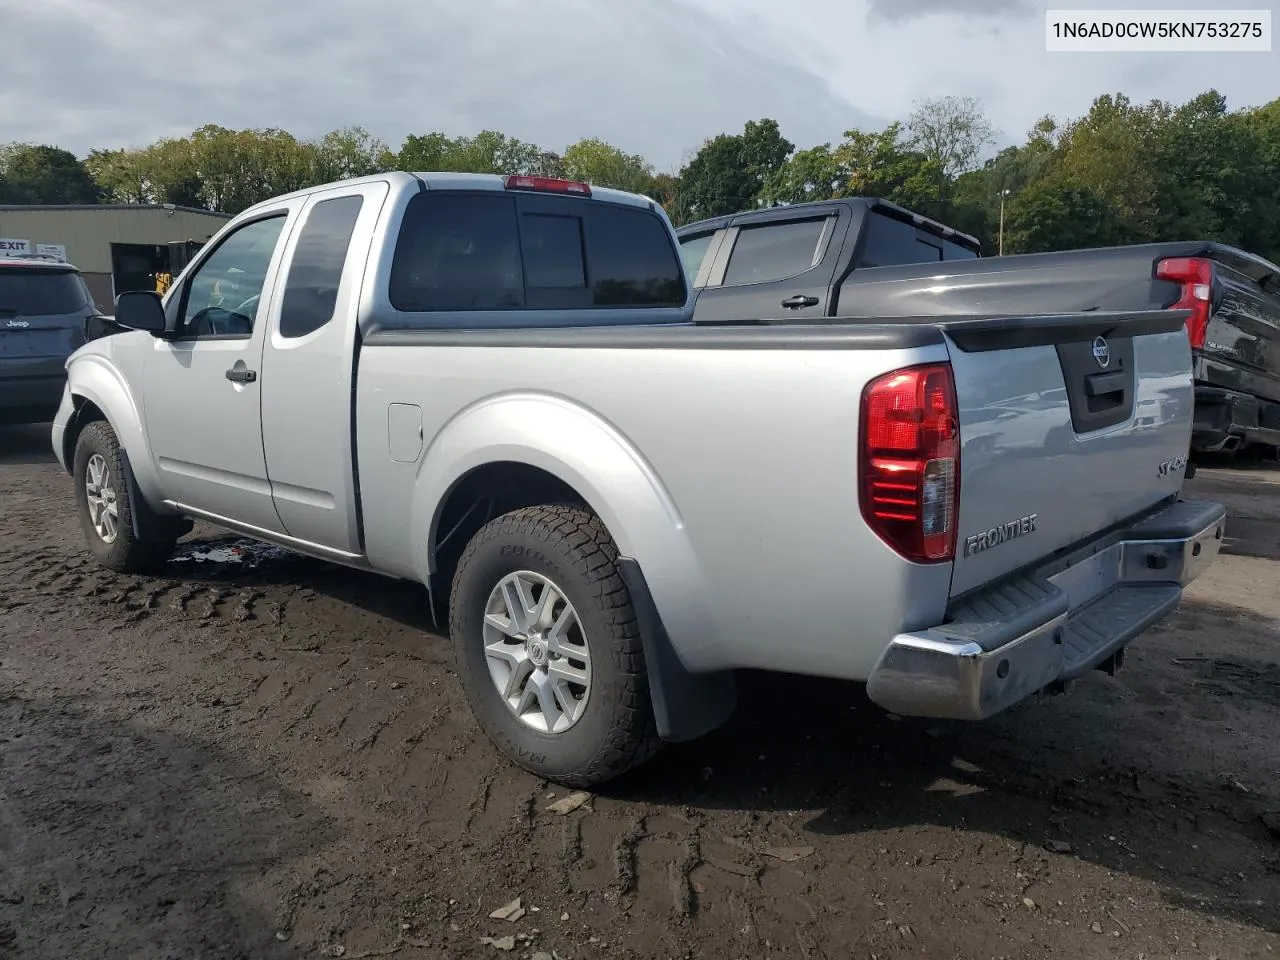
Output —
(1101, 352)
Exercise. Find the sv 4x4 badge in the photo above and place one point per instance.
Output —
(1170, 467)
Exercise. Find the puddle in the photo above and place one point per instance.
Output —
(238, 553)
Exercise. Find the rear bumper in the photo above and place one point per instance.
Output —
(30, 399)
(1050, 624)
(1225, 419)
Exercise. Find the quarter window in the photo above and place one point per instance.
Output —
(892, 242)
(311, 291)
(692, 251)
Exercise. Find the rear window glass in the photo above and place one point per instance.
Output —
(35, 292)
(891, 242)
(553, 255)
(774, 251)
(469, 252)
(458, 252)
(632, 259)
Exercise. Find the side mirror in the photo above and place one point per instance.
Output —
(140, 310)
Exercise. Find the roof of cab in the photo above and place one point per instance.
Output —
(496, 181)
(874, 203)
(450, 181)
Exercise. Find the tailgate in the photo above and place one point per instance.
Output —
(42, 317)
(1068, 425)
(38, 346)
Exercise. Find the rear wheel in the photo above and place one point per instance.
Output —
(106, 515)
(547, 647)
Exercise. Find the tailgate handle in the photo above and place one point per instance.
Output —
(1100, 384)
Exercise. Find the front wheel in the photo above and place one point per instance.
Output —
(547, 647)
(106, 515)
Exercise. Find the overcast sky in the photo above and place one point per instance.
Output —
(653, 76)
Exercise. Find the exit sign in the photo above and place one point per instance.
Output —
(14, 246)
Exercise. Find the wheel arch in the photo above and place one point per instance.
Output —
(99, 392)
(525, 450)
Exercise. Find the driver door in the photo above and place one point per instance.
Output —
(202, 400)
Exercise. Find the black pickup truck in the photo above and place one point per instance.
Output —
(868, 257)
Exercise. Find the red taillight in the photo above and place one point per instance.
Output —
(1195, 274)
(548, 185)
(910, 484)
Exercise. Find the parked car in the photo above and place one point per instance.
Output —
(491, 386)
(872, 258)
(44, 309)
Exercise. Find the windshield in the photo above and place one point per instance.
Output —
(40, 292)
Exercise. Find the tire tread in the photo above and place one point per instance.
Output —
(127, 554)
(587, 544)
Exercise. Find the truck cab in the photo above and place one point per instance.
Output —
(789, 262)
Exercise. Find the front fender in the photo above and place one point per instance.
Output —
(585, 451)
(94, 378)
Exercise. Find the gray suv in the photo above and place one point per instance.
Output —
(45, 314)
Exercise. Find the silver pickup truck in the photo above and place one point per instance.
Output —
(493, 386)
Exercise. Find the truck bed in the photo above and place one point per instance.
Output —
(756, 480)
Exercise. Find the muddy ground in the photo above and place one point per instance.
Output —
(276, 761)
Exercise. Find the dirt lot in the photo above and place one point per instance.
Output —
(273, 759)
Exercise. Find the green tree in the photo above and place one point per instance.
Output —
(1057, 214)
(730, 171)
(1261, 233)
(121, 175)
(1113, 152)
(348, 153)
(884, 165)
(487, 152)
(808, 175)
(38, 173)
(605, 165)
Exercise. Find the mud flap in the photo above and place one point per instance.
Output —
(685, 705)
(149, 526)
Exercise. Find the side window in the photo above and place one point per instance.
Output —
(692, 250)
(458, 251)
(222, 296)
(632, 260)
(892, 242)
(311, 290)
(773, 251)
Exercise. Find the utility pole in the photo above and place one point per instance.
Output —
(1003, 194)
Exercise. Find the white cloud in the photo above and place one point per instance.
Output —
(655, 77)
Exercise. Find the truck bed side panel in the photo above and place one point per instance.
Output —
(1118, 278)
(766, 547)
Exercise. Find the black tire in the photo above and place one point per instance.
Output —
(571, 548)
(125, 553)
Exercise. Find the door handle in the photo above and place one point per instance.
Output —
(795, 303)
(242, 374)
